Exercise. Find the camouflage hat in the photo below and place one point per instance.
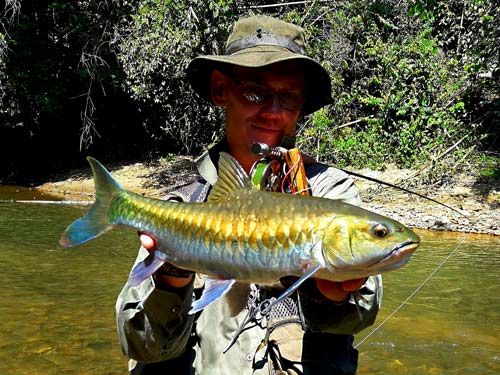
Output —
(258, 41)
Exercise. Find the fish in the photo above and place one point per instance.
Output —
(246, 235)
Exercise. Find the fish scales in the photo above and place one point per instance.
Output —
(216, 233)
(246, 248)
(269, 242)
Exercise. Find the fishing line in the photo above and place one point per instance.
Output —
(414, 292)
(373, 179)
(286, 178)
(290, 177)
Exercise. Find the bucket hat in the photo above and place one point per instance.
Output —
(259, 41)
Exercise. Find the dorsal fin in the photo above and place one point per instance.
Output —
(232, 177)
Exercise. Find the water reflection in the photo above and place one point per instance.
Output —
(58, 304)
(19, 193)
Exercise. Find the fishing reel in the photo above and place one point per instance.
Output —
(279, 170)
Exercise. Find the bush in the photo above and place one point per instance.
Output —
(409, 90)
(412, 80)
(156, 46)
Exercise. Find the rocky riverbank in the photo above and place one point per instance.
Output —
(476, 198)
(477, 203)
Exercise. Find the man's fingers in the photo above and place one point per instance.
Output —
(147, 241)
(353, 285)
(338, 291)
(332, 290)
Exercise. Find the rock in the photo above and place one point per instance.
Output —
(493, 197)
(442, 221)
(471, 205)
(460, 191)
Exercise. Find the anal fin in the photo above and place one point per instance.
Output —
(214, 290)
(146, 268)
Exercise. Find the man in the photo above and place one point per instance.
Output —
(265, 83)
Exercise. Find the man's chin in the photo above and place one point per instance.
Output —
(270, 137)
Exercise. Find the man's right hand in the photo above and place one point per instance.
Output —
(162, 278)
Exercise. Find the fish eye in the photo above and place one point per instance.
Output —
(380, 230)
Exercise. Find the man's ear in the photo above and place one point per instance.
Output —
(218, 86)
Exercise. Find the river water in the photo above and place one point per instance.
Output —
(57, 305)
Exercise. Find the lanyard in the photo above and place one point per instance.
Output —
(279, 170)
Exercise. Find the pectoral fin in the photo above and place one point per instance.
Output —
(214, 289)
(309, 273)
(146, 268)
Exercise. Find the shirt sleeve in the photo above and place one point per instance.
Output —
(360, 309)
(352, 316)
(332, 183)
(153, 324)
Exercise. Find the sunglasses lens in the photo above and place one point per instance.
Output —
(255, 95)
(259, 95)
(291, 101)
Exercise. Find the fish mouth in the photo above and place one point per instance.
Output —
(403, 249)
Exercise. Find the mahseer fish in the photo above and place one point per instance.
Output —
(245, 235)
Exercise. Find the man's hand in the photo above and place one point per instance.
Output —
(163, 279)
(338, 291)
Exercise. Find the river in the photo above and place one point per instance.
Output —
(57, 305)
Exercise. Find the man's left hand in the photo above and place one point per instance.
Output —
(338, 291)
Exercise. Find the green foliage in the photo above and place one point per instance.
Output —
(411, 80)
(490, 167)
(58, 78)
(156, 46)
(398, 65)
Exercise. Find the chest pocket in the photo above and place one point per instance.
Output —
(285, 349)
(294, 350)
(285, 333)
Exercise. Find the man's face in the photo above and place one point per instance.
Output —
(262, 105)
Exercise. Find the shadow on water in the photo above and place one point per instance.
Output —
(19, 193)
(58, 304)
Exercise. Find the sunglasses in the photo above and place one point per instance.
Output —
(257, 94)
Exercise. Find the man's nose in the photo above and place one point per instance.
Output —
(272, 106)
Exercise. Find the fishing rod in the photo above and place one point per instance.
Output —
(266, 170)
(402, 189)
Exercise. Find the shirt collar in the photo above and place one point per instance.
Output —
(207, 163)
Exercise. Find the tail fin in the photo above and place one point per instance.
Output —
(95, 222)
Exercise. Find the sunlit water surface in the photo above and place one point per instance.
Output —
(57, 305)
